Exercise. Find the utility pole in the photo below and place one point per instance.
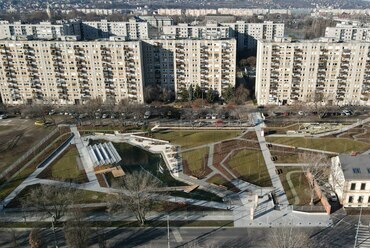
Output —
(53, 226)
(168, 231)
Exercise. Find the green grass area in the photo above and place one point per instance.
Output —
(66, 168)
(300, 185)
(218, 180)
(5, 127)
(326, 144)
(196, 160)
(188, 139)
(11, 184)
(250, 166)
(81, 197)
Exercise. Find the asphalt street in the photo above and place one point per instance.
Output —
(341, 234)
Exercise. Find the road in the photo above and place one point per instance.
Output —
(341, 235)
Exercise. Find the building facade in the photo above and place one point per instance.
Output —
(186, 31)
(131, 30)
(347, 32)
(67, 72)
(247, 34)
(43, 30)
(322, 71)
(72, 72)
(350, 179)
(177, 64)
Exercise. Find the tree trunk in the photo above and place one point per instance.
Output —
(312, 195)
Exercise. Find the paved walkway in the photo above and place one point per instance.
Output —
(346, 128)
(279, 190)
(84, 155)
(303, 148)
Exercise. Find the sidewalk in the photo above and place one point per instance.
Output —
(279, 190)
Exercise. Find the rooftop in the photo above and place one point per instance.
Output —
(355, 167)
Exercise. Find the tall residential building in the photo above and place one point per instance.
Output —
(131, 30)
(247, 34)
(323, 71)
(157, 21)
(186, 31)
(181, 63)
(43, 30)
(346, 32)
(70, 72)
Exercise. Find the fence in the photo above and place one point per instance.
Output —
(26, 155)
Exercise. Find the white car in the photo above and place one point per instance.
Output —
(214, 116)
(3, 116)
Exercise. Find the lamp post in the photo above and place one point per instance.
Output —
(168, 231)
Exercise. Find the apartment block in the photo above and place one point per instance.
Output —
(70, 72)
(209, 64)
(200, 12)
(323, 71)
(131, 30)
(43, 30)
(170, 12)
(157, 21)
(347, 32)
(247, 34)
(186, 31)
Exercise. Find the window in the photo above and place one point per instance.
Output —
(350, 199)
(356, 170)
(360, 199)
(368, 170)
(353, 186)
(363, 186)
(368, 200)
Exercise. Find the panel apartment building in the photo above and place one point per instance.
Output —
(42, 30)
(347, 32)
(245, 33)
(177, 64)
(70, 72)
(324, 70)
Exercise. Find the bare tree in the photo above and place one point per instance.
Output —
(34, 239)
(289, 237)
(51, 201)
(135, 197)
(316, 169)
(76, 230)
(92, 107)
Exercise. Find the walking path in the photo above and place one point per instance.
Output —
(84, 155)
(346, 128)
(291, 186)
(302, 148)
(279, 190)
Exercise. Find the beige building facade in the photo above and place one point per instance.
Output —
(322, 71)
(64, 72)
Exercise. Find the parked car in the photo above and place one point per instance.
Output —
(3, 116)
(147, 115)
(214, 116)
(333, 197)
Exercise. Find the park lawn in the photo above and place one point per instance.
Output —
(250, 166)
(196, 160)
(300, 185)
(66, 167)
(188, 139)
(285, 157)
(326, 144)
(218, 180)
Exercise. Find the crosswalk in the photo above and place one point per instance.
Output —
(363, 237)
